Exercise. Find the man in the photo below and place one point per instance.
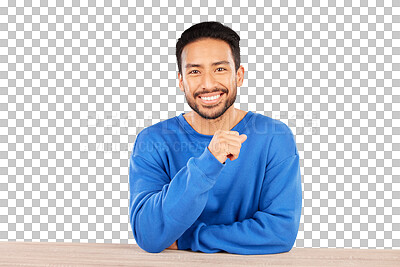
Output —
(217, 178)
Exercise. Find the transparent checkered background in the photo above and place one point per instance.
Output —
(80, 79)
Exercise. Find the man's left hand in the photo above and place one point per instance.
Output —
(173, 246)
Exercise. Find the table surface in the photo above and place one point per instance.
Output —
(90, 254)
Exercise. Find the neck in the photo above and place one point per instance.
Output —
(226, 122)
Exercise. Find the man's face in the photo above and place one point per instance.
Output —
(208, 69)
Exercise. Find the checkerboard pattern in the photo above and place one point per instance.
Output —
(80, 79)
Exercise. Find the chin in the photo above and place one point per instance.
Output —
(211, 113)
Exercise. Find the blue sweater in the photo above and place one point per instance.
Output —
(180, 191)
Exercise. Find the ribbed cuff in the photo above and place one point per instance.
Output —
(209, 164)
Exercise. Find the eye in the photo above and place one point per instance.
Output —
(220, 69)
(194, 72)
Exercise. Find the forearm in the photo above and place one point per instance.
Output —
(272, 229)
(160, 217)
(262, 234)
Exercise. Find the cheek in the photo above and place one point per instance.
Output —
(226, 80)
(232, 81)
(189, 87)
(231, 78)
(191, 84)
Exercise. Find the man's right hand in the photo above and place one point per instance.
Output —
(226, 144)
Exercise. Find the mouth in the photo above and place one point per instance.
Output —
(211, 99)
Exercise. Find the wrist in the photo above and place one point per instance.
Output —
(219, 158)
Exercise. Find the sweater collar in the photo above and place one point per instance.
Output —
(188, 128)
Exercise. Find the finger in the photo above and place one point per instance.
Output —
(232, 148)
(231, 157)
(233, 133)
(243, 138)
(236, 144)
(222, 132)
(232, 138)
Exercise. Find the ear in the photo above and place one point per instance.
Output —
(180, 79)
(240, 76)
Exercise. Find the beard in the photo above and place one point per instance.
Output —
(213, 111)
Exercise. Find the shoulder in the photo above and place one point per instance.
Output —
(159, 129)
(280, 138)
(154, 136)
(263, 124)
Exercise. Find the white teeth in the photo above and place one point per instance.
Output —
(211, 98)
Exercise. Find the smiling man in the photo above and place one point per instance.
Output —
(217, 178)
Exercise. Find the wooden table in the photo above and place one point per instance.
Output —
(85, 254)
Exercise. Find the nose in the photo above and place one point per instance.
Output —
(209, 81)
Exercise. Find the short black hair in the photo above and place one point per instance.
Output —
(209, 29)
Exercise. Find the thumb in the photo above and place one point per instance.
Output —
(243, 138)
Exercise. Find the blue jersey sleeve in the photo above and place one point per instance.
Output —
(162, 208)
(274, 227)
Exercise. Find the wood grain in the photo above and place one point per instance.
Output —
(89, 254)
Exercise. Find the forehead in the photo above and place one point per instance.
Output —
(207, 50)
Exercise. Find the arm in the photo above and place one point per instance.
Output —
(272, 229)
(161, 208)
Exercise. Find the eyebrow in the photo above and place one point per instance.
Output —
(222, 62)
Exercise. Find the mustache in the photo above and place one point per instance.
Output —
(216, 90)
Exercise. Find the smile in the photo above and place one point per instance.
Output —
(211, 99)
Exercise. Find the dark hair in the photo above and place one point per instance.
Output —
(209, 29)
